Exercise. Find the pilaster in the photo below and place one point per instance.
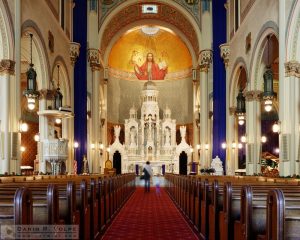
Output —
(230, 158)
(74, 54)
(205, 60)
(6, 70)
(253, 131)
(94, 60)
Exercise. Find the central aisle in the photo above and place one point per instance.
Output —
(149, 216)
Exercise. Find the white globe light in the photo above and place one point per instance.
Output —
(240, 146)
(22, 149)
(24, 127)
(58, 121)
(263, 139)
(241, 122)
(268, 108)
(76, 144)
(36, 137)
(31, 103)
(243, 139)
(31, 106)
(275, 128)
(277, 150)
(223, 145)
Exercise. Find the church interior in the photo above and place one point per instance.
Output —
(198, 98)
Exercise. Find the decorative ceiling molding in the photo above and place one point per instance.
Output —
(107, 6)
(133, 13)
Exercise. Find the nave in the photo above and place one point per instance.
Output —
(150, 215)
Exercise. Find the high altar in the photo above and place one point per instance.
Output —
(149, 138)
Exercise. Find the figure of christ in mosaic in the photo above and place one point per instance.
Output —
(150, 70)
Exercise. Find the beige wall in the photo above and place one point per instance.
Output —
(177, 94)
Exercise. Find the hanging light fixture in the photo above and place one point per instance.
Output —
(268, 93)
(241, 108)
(58, 95)
(31, 93)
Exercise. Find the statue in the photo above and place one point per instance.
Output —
(132, 137)
(117, 129)
(85, 168)
(217, 165)
(168, 137)
(182, 133)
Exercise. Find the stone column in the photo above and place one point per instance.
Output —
(205, 59)
(7, 68)
(74, 53)
(231, 152)
(230, 170)
(196, 119)
(289, 132)
(104, 119)
(253, 131)
(45, 94)
(94, 60)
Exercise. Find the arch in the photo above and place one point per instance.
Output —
(258, 49)
(6, 32)
(240, 62)
(42, 65)
(154, 22)
(193, 32)
(183, 163)
(292, 33)
(64, 78)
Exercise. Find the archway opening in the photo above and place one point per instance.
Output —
(183, 163)
(117, 162)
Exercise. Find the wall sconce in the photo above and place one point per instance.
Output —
(22, 149)
(23, 127)
(36, 137)
(276, 127)
(224, 145)
(243, 139)
(263, 139)
(76, 145)
(93, 146)
(58, 121)
(206, 146)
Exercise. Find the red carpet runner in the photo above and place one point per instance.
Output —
(149, 216)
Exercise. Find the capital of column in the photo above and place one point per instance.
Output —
(253, 95)
(232, 110)
(7, 66)
(74, 51)
(225, 53)
(292, 68)
(94, 58)
(205, 59)
(46, 94)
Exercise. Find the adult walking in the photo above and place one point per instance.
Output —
(147, 175)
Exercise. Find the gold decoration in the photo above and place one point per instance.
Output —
(133, 47)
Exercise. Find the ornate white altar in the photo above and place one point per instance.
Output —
(149, 138)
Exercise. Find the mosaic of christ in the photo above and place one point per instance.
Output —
(150, 52)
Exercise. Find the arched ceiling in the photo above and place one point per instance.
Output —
(166, 46)
(132, 13)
